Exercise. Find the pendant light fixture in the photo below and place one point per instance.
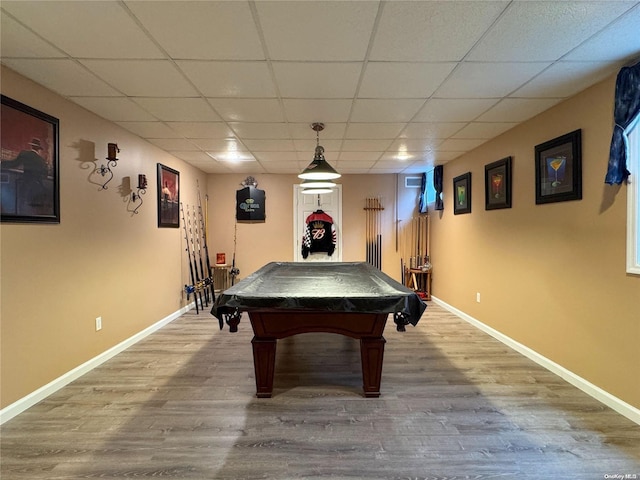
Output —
(319, 168)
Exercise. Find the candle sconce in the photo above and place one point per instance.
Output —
(142, 189)
(112, 161)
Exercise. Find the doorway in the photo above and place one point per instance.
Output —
(303, 206)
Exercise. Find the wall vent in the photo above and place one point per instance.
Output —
(412, 182)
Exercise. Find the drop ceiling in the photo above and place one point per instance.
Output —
(233, 86)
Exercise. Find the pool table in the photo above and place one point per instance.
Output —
(288, 298)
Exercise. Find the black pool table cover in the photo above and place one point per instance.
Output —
(321, 286)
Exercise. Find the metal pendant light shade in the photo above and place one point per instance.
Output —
(319, 168)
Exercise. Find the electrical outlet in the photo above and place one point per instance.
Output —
(478, 297)
(98, 323)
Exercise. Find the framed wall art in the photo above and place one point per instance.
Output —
(29, 164)
(168, 197)
(462, 194)
(497, 184)
(559, 169)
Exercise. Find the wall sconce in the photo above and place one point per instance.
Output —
(142, 189)
(112, 161)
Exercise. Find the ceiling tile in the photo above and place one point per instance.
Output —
(619, 41)
(174, 144)
(517, 33)
(142, 78)
(484, 130)
(517, 109)
(304, 130)
(431, 130)
(179, 109)
(374, 130)
(488, 80)
(344, 165)
(64, 76)
(230, 144)
(273, 157)
(403, 79)
(365, 145)
(385, 110)
(359, 156)
(460, 144)
(114, 108)
(317, 80)
(150, 129)
(86, 29)
(244, 109)
(229, 79)
(432, 31)
(201, 129)
(201, 30)
(314, 110)
(193, 156)
(564, 79)
(403, 156)
(415, 144)
(270, 145)
(309, 145)
(18, 41)
(349, 24)
(260, 130)
(454, 109)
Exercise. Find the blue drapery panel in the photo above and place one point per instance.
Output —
(438, 173)
(626, 109)
(422, 205)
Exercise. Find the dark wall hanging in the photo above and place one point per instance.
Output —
(462, 194)
(559, 169)
(250, 204)
(497, 184)
(168, 197)
(29, 164)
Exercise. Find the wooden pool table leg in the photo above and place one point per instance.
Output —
(372, 354)
(264, 363)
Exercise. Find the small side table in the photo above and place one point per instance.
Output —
(418, 280)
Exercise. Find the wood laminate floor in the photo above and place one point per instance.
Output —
(455, 404)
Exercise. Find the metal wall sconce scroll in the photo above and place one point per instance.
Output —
(112, 162)
(142, 189)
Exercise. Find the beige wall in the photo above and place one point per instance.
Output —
(99, 261)
(262, 242)
(551, 276)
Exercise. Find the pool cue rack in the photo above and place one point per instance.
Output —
(415, 262)
(373, 230)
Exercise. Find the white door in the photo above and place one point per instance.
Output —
(303, 206)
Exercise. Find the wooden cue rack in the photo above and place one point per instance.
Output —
(416, 265)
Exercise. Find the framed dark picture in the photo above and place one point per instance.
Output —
(168, 197)
(29, 164)
(462, 194)
(497, 184)
(559, 169)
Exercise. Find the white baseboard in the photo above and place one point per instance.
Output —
(43, 392)
(620, 406)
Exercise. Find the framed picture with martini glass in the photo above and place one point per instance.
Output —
(559, 169)
(497, 184)
(462, 194)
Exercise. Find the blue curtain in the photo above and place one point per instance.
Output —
(626, 110)
(422, 205)
(438, 173)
